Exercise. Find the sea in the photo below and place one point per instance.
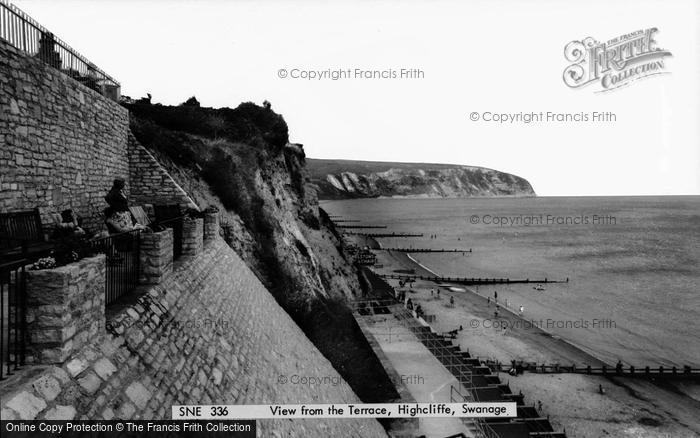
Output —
(633, 264)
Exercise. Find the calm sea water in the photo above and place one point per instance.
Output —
(633, 263)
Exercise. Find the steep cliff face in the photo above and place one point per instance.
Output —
(344, 179)
(240, 161)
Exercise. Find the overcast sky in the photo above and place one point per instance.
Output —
(498, 56)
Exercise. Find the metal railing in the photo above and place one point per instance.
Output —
(24, 33)
(122, 252)
(13, 313)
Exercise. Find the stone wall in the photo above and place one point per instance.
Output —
(65, 309)
(150, 182)
(212, 229)
(62, 143)
(192, 236)
(155, 256)
(210, 333)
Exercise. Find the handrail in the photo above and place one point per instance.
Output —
(23, 32)
(13, 316)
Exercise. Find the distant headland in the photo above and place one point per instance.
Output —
(347, 179)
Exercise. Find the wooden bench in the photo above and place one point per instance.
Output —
(139, 215)
(22, 235)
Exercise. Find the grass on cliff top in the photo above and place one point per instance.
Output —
(247, 123)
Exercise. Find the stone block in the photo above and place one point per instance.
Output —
(104, 368)
(61, 412)
(26, 405)
(90, 383)
(138, 394)
(76, 366)
(48, 387)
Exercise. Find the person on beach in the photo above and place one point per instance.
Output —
(452, 301)
(488, 301)
(521, 310)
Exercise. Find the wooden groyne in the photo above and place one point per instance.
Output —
(650, 372)
(385, 234)
(360, 226)
(339, 221)
(472, 280)
(425, 250)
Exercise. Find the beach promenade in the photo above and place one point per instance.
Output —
(419, 371)
(573, 402)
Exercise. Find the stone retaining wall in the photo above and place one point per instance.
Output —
(150, 182)
(62, 143)
(210, 333)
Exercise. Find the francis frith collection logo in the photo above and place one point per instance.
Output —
(616, 62)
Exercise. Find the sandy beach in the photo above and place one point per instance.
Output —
(628, 408)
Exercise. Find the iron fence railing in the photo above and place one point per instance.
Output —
(123, 251)
(13, 317)
(24, 33)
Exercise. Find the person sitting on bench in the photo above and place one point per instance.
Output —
(69, 226)
(117, 215)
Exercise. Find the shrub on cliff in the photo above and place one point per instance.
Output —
(230, 182)
(250, 120)
(248, 123)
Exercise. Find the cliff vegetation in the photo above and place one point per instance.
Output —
(241, 161)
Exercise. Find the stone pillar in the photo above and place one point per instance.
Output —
(211, 226)
(192, 236)
(156, 258)
(228, 230)
(65, 309)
